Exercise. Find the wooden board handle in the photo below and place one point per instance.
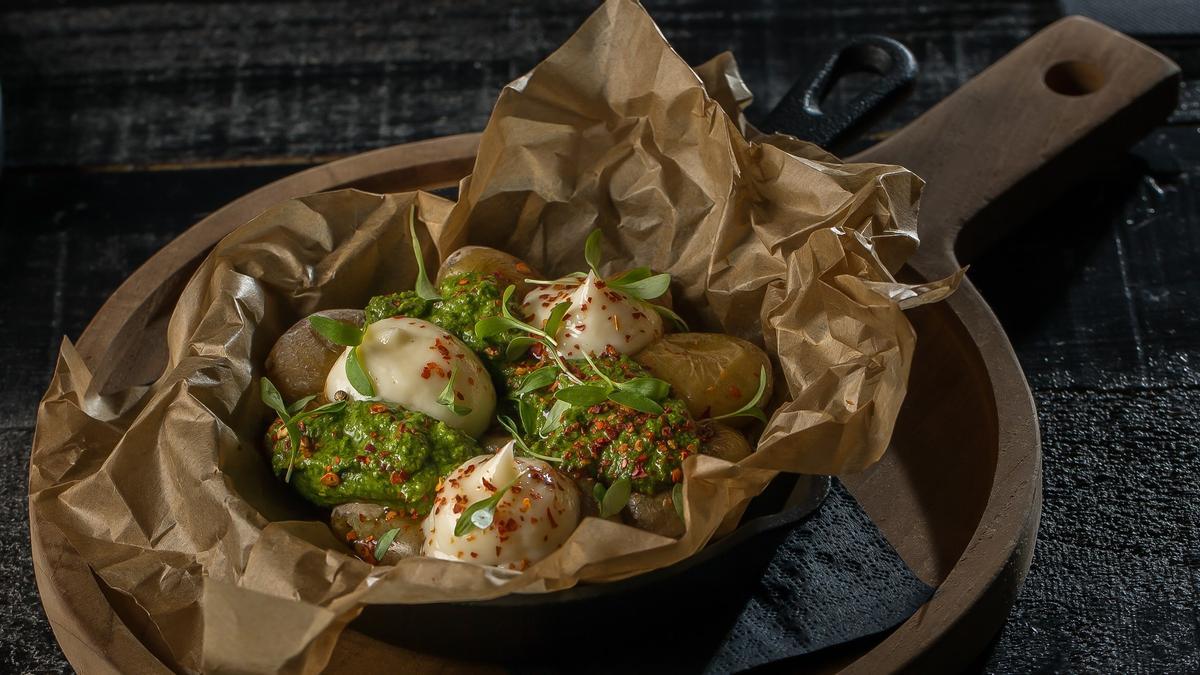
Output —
(1023, 131)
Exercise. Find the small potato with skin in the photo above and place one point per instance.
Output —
(655, 513)
(484, 260)
(301, 358)
(361, 525)
(721, 441)
(713, 373)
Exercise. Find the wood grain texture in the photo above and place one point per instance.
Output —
(1100, 293)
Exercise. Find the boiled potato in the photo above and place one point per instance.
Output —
(720, 441)
(713, 373)
(484, 260)
(301, 358)
(361, 525)
(655, 513)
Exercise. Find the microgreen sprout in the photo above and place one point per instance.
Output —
(449, 397)
(346, 335)
(423, 287)
(753, 406)
(293, 415)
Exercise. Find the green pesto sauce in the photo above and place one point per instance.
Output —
(608, 441)
(466, 298)
(404, 303)
(372, 452)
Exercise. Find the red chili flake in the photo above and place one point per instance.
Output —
(516, 489)
(600, 283)
(488, 484)
(377, 408)
(523, 268)
(469, 470)
(474, 554)
(398, 477)
(369, 448)
(351, 535)
(470, 380)
(628, 337)
(676, 475)
(460, 503)
(603, 306)
(734, 392)
(331, 479)
(464, 281)
(458, 395)
(362, 459)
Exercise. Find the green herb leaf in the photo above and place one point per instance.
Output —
(481, 513)
(553, 418)
(752, 409)
(591, 250)
(518, 346)
(598, 491)
(554, 321)
(630, 276)
(677, 499)
(596, 369)
(357, 374)
(336, 406)
(615, 498)
(297, 406)
(385, 542)
(423, 287)
(337, 332)
(650, 387)
(449, 397)
(542, 377)
(270, 396)
(648, 288)
(511, 427)
(582, 394)
(636, 401)
(671, 316)
(561, 281)
(495, 325)
(529, 417)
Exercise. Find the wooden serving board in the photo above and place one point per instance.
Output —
(959, 492)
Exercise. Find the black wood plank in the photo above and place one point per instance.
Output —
(135, 83)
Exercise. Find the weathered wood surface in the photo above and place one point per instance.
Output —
(1100, 294)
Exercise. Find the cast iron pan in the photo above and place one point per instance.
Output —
(959, 492)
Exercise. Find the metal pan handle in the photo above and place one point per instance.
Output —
(801, 112)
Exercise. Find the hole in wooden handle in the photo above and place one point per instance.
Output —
(1074, 78)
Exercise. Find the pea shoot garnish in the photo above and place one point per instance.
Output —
(677, 499)
(292, 415)
(450, 398)
(385, 542)
(481, 513)
(511, 427)
(614, 498)
(753, 406)
(423, 287)
(346, 335)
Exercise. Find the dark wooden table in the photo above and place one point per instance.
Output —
(127, 123)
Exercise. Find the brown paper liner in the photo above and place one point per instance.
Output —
(165, 493)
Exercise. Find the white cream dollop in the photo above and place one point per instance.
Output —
(409, 362)
(599, 317)
(533, 518)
